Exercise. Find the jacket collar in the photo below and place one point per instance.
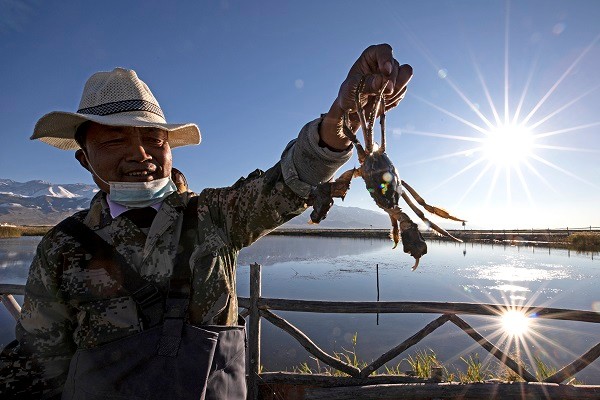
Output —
(99, 215)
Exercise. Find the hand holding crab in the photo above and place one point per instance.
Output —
(380, 71)
(377, 170)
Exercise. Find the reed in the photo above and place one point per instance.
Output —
(422, 362)
(476, 371)
(585, 241)
(348, 356)
(543, 370)
(39, 230)
(10, 231)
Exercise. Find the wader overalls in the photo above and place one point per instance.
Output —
(169, 359)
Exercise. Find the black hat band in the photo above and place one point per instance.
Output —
(123, 106)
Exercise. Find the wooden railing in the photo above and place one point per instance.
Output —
(7, 291)
(361, 383)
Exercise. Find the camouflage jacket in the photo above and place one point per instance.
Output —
(72, 301)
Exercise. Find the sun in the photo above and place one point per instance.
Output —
(515, 323)
(508, 145)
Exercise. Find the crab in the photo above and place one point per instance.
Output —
(382, 182)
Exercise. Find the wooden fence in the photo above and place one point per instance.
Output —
(361, 383)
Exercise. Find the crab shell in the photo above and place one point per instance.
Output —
(385, 187)
(381, 179)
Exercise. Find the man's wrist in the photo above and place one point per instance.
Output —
(304, 163)
(323, 144)
(331, 133)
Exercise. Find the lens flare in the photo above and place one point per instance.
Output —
(515, 323)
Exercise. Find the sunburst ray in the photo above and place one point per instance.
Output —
(564, 171)
(562, 77)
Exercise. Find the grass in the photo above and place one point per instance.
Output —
(422, 363)
(10, 231)
(472, 370)
(475, 370)
(346, 355)
(585, 241)
(543, 370)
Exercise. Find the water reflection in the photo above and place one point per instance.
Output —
(277, 249)
(517, 272)
(346, 269)
(15, 258)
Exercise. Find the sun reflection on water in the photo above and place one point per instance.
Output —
(515, 272)
(515, 323)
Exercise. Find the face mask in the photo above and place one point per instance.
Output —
(141, 194)
(138, 194)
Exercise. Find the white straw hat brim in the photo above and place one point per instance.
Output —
(58, 128)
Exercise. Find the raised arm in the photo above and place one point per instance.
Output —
(255, 205)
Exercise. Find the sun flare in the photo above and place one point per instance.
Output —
(508, 145)
(507, 138)
(515, 323)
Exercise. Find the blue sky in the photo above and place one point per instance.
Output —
(251, 74)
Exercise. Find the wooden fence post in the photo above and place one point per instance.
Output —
(11, 305)
(254, 332)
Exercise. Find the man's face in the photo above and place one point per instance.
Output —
(126, 154)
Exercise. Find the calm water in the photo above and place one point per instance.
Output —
(345, 269)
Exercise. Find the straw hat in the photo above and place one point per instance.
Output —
(116, 98)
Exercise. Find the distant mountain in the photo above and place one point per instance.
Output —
(43, 188)
(41, 203)
(340, 217)
(44, 203)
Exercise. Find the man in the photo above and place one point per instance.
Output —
(135, 297)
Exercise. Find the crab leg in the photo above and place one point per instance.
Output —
(379, 102)
(395, 234)
(350, 135)
(440, 212)
(382, 123)
(366, 128)
(428, 222)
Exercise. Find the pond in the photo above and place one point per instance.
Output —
(346, 269)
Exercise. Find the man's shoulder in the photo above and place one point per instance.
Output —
(78, 216)
(56, 236)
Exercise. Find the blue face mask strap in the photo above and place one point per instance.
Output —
(92, 168)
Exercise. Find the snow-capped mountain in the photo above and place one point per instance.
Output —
(42, 188)
(41, 203)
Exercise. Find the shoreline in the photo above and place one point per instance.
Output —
(579, 240)
(559, 238)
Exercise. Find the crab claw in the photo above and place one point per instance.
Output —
(416, 264)
(321, 196)
(412, 241)
(395, 233)
(321, 201)
(340, 186)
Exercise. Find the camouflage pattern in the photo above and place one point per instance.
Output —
(73, 302)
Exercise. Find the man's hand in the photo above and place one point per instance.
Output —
(380, 69)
